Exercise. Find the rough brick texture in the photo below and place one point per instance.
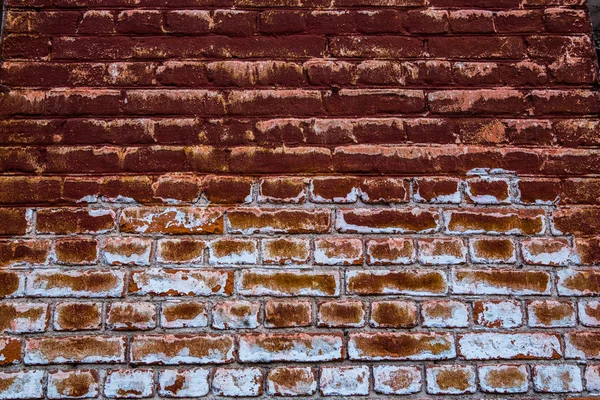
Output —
(310, 198)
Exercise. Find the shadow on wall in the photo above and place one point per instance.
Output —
(594, 6)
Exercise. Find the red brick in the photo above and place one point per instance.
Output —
(183, 314)
(297, 347)
(131, 316)
(182, 349)
(401, 346)
(492, 250)
(76, 251)
(289, 283)
(442, 251)
(523, 346)
(236, 315)
(291, 381)
(75, 316)
(82, 383)
(390, 251)
(124, 383)
(341, 314)
(23, 252)
(251, 220)
(420, 282)
(180, 282)
(76, 283)
(387, 221)
(286, 314)
(393, 314)
(198, 220)
(75, 349)
(338, 252)
(285, 251)
(16, 221)
(524, 221)
(23, 317)
(68, 221)
(281, 190)
(451, 379)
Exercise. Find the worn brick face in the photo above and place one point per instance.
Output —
(299, 198)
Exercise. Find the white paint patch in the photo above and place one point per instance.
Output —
(129, 384)
(293, 347)
(557, 378)
(394, 379)
(237, 382)
(506, 346)
(195, 382)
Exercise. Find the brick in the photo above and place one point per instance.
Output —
(444, 314)
(338, 251)
(75, 349)
(248, 221)
(334, 190)
(132, 383)
(12, 284)
(68, 283)
(477, 47)
(488, 190)
(386, 221)
(23, 252)
(227, 190)
(284, 251)
(570, 220)
(131, 316)
(401, 346)
(22, 384)
(68, 221)
(501, 281)
(345, 381)
(285, 314)
(582, 345)
(127, 251)
(180, 282)
(23, 317)
(589, 313)
(509, 346)
(376, 46)
(10, 350)
(492, 250)
(183, 314)
(79, 251)
(236, 315)
(437, 190)
(291, 381)
(390, 251)
(557, 378)
(503, 314)
(236, 382)
(592, 374)
(546, 251)
(578, 282)
(281, 190)
(73, 384)
(411, 282)
(183, 382)
(394, 379)
(180, 251)
(393, 314)
(16, 221)
(182, 349)
(232, 251)
(289, 283)
(171, 220)
(341, 314)
(550, 313)
(297, 347)
(374, 101)
(74, 316)
(442, 251)
(451, 379)
(503, 378)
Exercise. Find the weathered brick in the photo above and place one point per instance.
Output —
(297, 347)
(73, 384)
(127, 251)
(232, 251)
(69, 221)
(26, 384)
(387, 221)
(284, 314)
(394, 379)
(69, 283)
(172, 220)
(75, 349)
(248, 221)
(281, 190)
(499, 221)
(413, 282)
(23, 317)
(183, 314)
(338, 251)
(503, 378)
(589, 313)
(491, 250)
(236, 382)
(285, 251)
(504, 314)
(444, 314)
(393, 314)
(23, 252)
(390, 251)
(546, 251)
(180, 251)
(501, 281)
(451, 379)
(131, 316)
(345, 381)
(74, 316)
(236, 315)
(582, 345)
(509, 346)
(401, 346)
(129, 383)
(180, 282)
(551, 313)
(183, 382)
(289, 283)
(10, 350)
(79, 251)
(578, 282)
(291, 381)
(442, 251)
(341, 314)
(557, 378)
(182, 349)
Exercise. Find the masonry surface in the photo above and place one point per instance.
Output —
(313, 198)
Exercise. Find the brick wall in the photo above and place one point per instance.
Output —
(319, 198)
